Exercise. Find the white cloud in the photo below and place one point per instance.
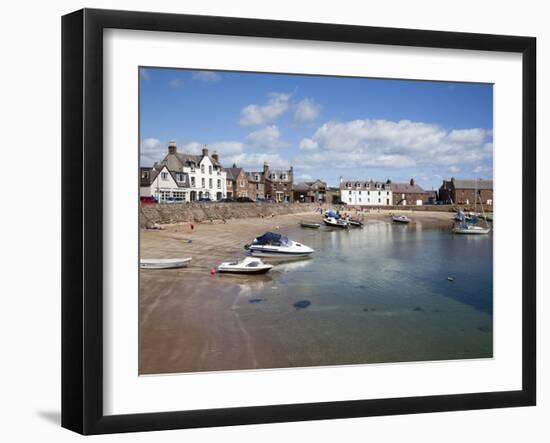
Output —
(454, 169)
(395, 144)
(304, 177)
(176, 83)
(206, 76)
(255, 160)
(306, 110)
(151, 151)
(268, 137)
(277, 105)
(226, 148)
(308, 144)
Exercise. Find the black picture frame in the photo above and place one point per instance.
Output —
(82, 216)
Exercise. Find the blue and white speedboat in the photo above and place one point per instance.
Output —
(276, 245)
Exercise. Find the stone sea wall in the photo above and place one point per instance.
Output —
(198, 212)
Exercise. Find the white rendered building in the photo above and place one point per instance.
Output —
(365, 193)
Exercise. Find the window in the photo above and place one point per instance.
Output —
(368, 193)
(378, 194)
(181, 177)
(209, 182)
(359, 194)
(202, 169)
(284, 177)
(219, 183)
(350, 199)
(210, 169)
(359, 199)
(192, 181)
(164, 175)
(273, 176)
(257, 177)
(378, 200)
(243, 183)
(203, 182)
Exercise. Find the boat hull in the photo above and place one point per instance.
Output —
(335, 225)
(257, 271)
(310, 225)
(461, 231)
(273, 253)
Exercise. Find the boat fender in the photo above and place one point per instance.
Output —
(213, 271)
(247, 246)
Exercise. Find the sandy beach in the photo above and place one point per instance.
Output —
(194, 320)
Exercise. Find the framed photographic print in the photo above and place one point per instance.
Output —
(269, 221)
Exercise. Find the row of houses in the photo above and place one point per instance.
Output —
(190, 177)
(377, 193)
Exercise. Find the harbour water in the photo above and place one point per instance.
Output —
(384, 293)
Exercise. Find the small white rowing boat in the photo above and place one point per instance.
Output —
(250, 265)
(163, 263)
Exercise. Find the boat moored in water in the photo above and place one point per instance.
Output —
(470, 229)
(164, 263)
(276, 245)
(249, 265)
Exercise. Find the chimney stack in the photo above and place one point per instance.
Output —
(205, 151)
(216, 157)
(412, 181)
(172, 147)
(266, 168)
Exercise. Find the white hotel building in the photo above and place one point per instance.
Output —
(185, 177)
(365, 193)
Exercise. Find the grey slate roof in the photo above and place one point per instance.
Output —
(194, 158)
(406, 188)
(233, 173)
(471, 184)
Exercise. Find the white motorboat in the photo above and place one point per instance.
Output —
(276, 245)
(249, 265)
(336, 223)
(470, 230)
(163, 263)
(401, 219)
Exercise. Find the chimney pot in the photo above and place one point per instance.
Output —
(205, 151)
(172, 148)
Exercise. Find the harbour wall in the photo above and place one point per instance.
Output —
(199, 212)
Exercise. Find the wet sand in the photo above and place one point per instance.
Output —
(192, 320)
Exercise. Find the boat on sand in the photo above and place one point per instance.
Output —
(401, 219)
(310, 225)
(164, 263)
(276, 245)
(335, 223)
(249, 265)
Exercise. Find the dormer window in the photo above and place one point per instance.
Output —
(257, 177)
(273, 176)
(357, 185)
(284, 177)
(348, 185)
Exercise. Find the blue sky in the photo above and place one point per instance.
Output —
(326, 127)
